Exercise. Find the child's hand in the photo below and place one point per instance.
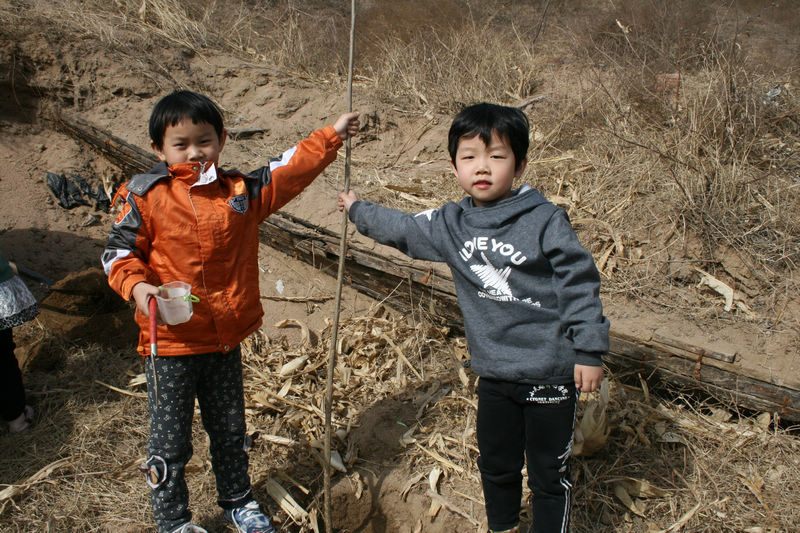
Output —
(588, 378)
(142, 292)
(347, 125)
(346, 199)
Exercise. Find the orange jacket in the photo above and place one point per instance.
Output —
(182, 224)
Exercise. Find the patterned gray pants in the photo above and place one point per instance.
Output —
(216, 380)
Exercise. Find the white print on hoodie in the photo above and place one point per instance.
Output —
(498, 281)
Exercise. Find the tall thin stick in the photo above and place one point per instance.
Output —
(339, 280)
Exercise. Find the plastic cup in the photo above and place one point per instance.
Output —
(175, 302)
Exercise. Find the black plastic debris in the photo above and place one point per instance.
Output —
(101, 201)
(70, 191)
(66, 192)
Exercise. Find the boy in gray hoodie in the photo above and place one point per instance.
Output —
(529, 294)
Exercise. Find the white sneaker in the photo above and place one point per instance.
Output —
(23, 421)
(249, 519)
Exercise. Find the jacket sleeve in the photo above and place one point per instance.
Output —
(125, 256)
(412, 234)
(286, 176)
(578, 287)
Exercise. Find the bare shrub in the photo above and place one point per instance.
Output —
(707, 161)
(456, 54)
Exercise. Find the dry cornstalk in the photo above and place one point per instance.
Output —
(39, 477)
(452, 508)
(122, 391)
(285, 500)
(439, 458)
(277, 439)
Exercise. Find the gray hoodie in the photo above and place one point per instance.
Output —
(528, 290)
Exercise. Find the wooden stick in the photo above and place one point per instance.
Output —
(298, 299)
(339, 282)
(121, 391)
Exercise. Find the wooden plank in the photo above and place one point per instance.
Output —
(401, 284)
(727, 386)
(681, 348)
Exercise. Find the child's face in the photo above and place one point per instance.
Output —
(187, 141)
(486, 172)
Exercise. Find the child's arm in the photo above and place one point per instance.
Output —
(412, 234)
(285, 177)
(577, 284)
(124, 255)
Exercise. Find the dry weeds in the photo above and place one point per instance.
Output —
(661, 180)
(658, 464)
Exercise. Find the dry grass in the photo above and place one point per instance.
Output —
(447, 56)
(664, 465)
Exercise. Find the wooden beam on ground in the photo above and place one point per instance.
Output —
(403, 285)
(729, 384)
(131, 159)
(411, 288)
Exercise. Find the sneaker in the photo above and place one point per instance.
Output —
(23, 421)
(188, 527)
(249, 519)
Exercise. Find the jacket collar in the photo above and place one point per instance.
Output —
(191, 173)
(141, 183)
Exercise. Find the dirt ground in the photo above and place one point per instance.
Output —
(404, 149)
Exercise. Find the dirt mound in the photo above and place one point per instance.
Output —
(370, 503)
(82, 294)
(380, 429)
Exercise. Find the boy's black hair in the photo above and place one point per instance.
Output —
(484, 118)
(180, 105)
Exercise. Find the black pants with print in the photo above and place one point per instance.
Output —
(12, 397)
(216, 380)
(537, 421)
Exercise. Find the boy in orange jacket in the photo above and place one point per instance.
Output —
(188, 220)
